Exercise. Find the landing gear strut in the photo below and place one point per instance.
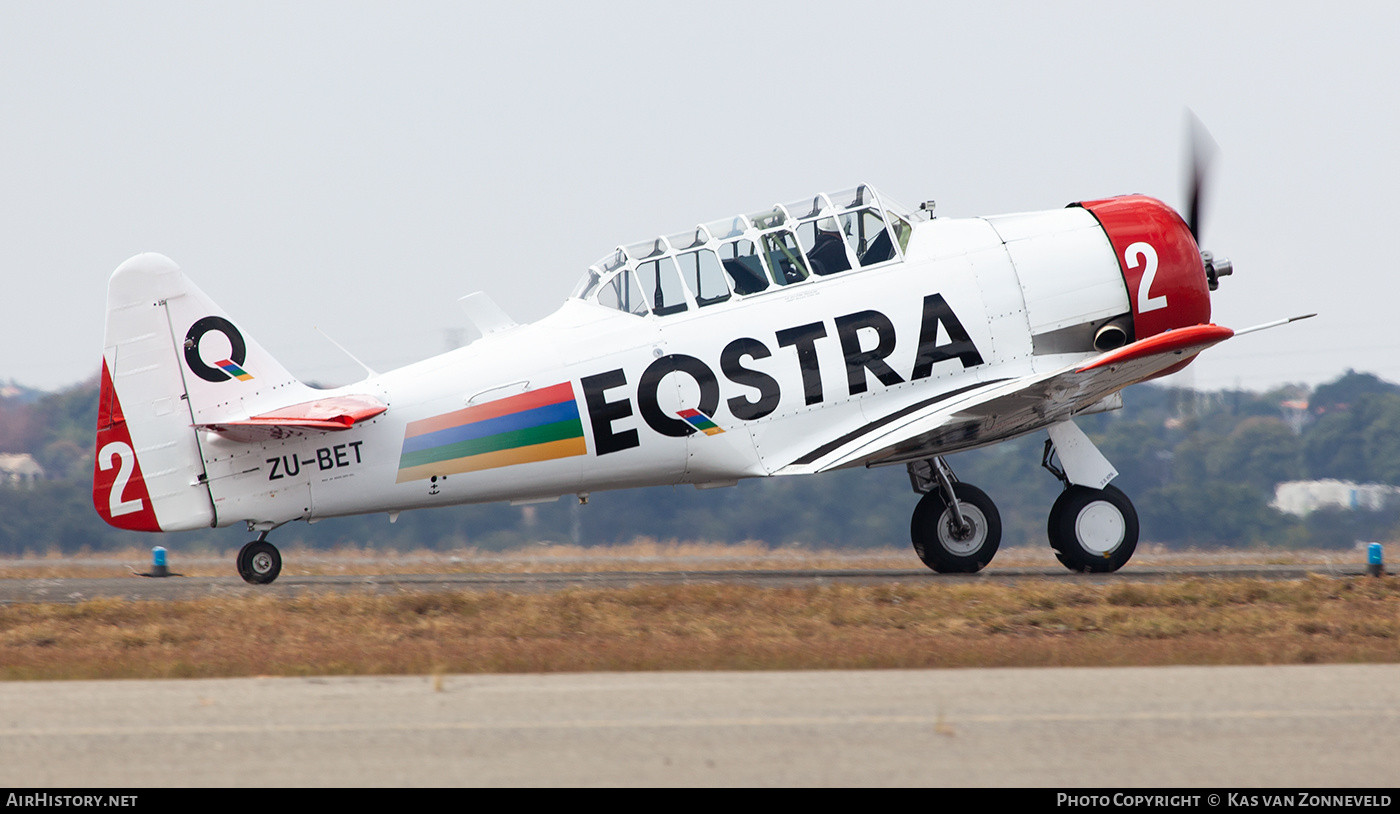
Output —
(259, 562)
(956, 528)
(1092, 530)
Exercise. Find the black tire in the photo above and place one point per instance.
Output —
(1093, 530)
(259, 562)
(935, 535)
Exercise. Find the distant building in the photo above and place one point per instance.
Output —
(20, 468)
(1301, 497)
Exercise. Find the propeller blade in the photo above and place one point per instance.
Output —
(1203, 149)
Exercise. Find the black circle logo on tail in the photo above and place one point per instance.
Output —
(238, 352)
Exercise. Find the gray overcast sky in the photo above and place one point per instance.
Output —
(360, 166)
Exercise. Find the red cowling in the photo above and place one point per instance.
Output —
(1160, 261)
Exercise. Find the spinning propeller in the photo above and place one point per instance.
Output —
(1203, 149)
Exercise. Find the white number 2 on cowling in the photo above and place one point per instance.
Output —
(1146, 302)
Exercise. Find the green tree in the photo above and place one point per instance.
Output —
(1359, 443)
(1380, 438)
(1348, 391)
(1259, 452)
(1209, 513)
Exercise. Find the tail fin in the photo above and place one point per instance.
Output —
(171, 359)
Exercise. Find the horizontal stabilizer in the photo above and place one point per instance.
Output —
(322, 415)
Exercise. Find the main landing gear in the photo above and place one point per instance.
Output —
(259, 562)
(956, 528)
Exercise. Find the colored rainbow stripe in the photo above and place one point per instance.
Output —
(540, 425)
(234, 370)
(699, 421)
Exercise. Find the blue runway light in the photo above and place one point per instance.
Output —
(1375, 561)
(158, 564)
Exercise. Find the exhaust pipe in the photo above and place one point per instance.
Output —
(1111, 335)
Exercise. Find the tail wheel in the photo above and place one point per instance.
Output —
(943, 544)
(259, 562)
(1093, 529)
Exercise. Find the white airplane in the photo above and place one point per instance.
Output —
(837, 331)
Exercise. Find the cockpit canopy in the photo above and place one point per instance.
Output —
(788, 244)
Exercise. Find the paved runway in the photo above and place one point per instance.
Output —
(138, 588)
(1204, 727)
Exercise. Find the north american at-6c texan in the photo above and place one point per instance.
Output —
(836, 331)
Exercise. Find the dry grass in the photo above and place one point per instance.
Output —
(713, 627)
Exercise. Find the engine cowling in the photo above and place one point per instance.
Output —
(1160, 261)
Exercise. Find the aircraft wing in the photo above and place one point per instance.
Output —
(321, 415)
(998, 409)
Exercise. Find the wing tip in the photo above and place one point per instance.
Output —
(1176, 341)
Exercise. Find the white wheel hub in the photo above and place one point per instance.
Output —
(1100, 527)
(958, 542)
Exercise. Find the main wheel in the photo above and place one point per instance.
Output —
(1093, 529)
(945, 547)
(259, 562)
